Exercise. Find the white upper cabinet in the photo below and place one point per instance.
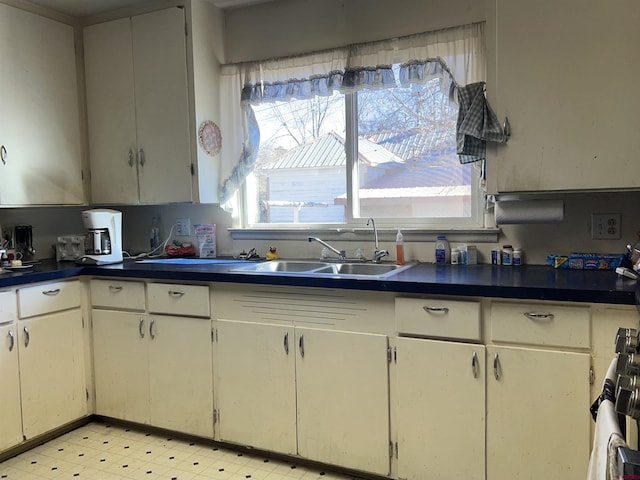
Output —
(565, 74)
(142, 111)
(39, 119)
(137, 102)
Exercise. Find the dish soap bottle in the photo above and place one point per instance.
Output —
(399, 248)
(442, 250)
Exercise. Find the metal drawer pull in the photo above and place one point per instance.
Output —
(436, 309)
(26, 337)
(141, 328)
(286, 343)
(3, 155)
(539, 316)
(143, 160)
(175, 293)
(51, 292)
(132, 157)
(152, 333)
(496, 366)
(12, 341)
(474, 364)
(301, 345)
(115, 288)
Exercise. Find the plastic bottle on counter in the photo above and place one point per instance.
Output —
(442, 250)
(455, 256)
(399, 248)
(518, 256)
(507, 255)
(154, 234)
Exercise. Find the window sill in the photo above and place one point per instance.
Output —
(480, 235)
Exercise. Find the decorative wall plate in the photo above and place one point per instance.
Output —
(210, 138)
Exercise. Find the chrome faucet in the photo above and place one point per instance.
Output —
(340, 253)
(377, 253)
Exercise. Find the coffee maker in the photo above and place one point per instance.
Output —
(103, 243)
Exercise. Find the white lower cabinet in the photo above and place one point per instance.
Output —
(51, 356)
(151, 368)
(322, 394)
(256, 385)
(537, 413)
(439, 409)
(11, 417)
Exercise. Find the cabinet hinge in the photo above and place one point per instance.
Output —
(86, 391)
(215, 416)
(389, 354)
(396, 450)
(390, 449)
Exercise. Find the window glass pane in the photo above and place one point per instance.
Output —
(408, 166)
(300, 173)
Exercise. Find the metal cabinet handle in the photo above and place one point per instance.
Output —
(428, 309)
(3, 155)
(143, 160)
(141, 328)
(286, 343)
(26, 337)
(132, 157)
(12, 340)
(474, 364)
(539, 316)
(175, 293)
(51, 293)
(301, 345)
(152, 332)
(115, 288)
(496, 366)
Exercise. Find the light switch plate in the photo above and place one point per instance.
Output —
(183, 227)
(605, 226)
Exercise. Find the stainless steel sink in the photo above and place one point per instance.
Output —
(313, 268)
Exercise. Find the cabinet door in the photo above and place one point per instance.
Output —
(343, 398)
(571, 128)
(121, 365)
(40, 125)
(255, 385)
(537, 414)
(181, 376)
(52, 377)
(438, 382)
(111, 113)
(162, 106)
(11, 415)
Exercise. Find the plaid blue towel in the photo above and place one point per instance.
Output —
(477, 123)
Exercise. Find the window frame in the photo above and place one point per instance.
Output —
(425, 224)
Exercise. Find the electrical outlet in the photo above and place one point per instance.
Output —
(183, 227)
(605, 226)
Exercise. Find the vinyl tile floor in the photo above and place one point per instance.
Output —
(100, 451)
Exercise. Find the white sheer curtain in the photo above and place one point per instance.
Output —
(456, 55)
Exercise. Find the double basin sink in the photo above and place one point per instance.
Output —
(299, 267)
(313, 268)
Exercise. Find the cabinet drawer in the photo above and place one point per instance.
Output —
(438, 318)
(541, 324)
(48, 298)
(116, 294)
(8, 308)
(176, 299)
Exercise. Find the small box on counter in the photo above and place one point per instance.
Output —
(468, 255)
(586, 261)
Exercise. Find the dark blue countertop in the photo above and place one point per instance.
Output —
(535, 282)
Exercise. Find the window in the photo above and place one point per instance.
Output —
(377, 142)
(406, 168)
